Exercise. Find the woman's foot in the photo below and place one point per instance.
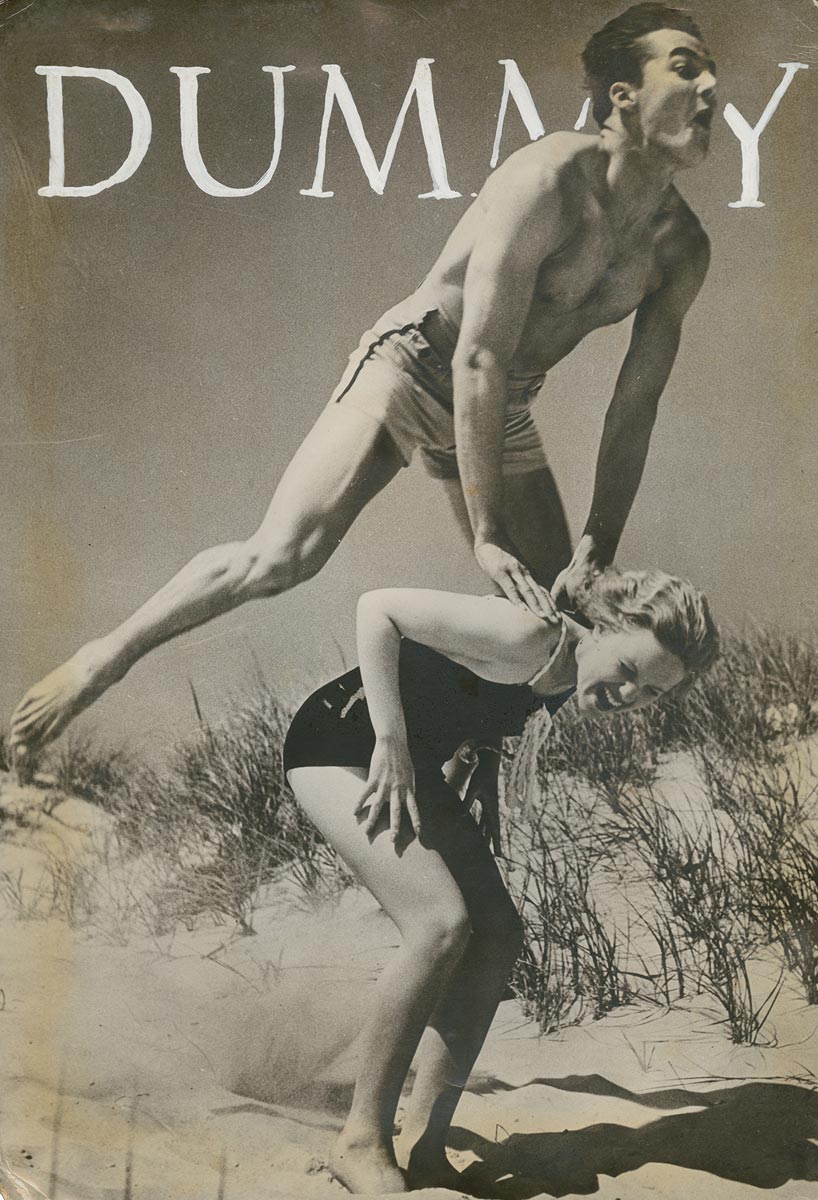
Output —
(366, 1168)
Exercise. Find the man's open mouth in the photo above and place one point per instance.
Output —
(704, 119)
(604, 698)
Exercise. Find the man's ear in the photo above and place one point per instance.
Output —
(622, 95)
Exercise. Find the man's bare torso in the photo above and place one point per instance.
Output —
(596, 276)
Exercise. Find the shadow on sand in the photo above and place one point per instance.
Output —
(755, 1133)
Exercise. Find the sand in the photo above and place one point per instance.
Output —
(207, 1064)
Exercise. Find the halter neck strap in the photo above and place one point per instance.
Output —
(557, 651)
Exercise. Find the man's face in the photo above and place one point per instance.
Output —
(677, 97)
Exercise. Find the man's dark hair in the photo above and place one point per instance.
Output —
(614, 53)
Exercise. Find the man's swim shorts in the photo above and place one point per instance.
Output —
(401, 375)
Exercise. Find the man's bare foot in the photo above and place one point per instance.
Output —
(47, 708)
(366, 1168)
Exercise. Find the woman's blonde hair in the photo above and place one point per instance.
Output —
(676, 613)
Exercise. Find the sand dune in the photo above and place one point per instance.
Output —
(202, 1064)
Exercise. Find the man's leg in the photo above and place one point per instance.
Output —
(342, 464)
(535, 521)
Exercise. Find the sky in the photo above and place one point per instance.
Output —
(165, 351)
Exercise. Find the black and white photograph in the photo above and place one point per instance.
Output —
(409, 736)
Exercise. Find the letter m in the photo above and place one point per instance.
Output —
(421, 88)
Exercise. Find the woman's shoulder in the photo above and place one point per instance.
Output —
(525, 625)
(526, 642)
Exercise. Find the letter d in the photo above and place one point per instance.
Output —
(140, 131)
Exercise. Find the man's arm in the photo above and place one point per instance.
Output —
(631, 414)
(524, 223)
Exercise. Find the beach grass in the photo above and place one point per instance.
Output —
(659, 858)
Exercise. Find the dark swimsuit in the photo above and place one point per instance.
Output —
(444, 705)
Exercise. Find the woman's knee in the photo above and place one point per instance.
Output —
(442, 936)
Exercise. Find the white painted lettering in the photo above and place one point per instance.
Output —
(140, 129)
(583, 115)
(515, 86)
(421, 88)
(189, 123)
(749, 137)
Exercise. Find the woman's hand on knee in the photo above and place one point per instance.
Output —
(391, 783)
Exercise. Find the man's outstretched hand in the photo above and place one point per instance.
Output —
(515, 581)
(571, 582)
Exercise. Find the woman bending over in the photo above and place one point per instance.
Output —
(437, 669)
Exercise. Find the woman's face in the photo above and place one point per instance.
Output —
(621, 669)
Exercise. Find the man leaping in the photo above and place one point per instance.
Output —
(571, 233)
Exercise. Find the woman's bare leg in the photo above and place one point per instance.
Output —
(449, 1048)
(415, 887)
(465, 1009)
(342, 464)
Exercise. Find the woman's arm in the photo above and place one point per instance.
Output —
(391, 775)
(487, 634)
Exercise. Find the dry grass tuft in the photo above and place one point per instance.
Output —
(707, 881)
